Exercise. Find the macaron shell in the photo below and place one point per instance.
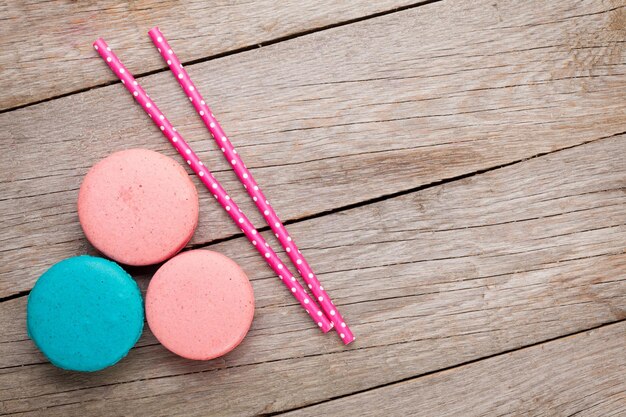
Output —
(138, 207)
(85, 313)
(200, 305)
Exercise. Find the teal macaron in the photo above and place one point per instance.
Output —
(85, 313)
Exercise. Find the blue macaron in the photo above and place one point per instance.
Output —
(85, 313)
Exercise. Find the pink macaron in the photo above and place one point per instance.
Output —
(138, 207)
(200, 305)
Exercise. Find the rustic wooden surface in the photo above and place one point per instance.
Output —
(454, 171)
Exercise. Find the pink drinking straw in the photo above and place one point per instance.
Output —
(250, 184)
(213, 185)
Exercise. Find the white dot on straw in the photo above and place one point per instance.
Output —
(319, 323)
(191, 88)
(254, 243)
(310, 275)
(306, 301)
(321, 288)
(254, 198)
(289, 238)
(266, 212)
(96, 46)
(213, 125)
(319, 313)
(203, 103)
(293, 289)
(256, 188)
(288, 250)
(169, 51)
(108, 59)
(320, 298)
(188, 151)
(134, 82)
(293, 279)
(160, 39)
(201, 173)
(162, 127)
(174, 139)
(267, 254)
(245, 175)
(342, 335)
(215, 186)
(161, 117)
(227, 208)
(332, 312)
(223, 138)
(310, 286)
(191, 99)
(299, 261)
(121, 70)
(108, 49)
(200, 162)
(223, 149)
(180, 76)
(241, 220)
(159, 49)
(267, 244)
(201, 113)
(235, 151)
(135, 93)
(280, 266)
(181, 65)
(343, 324)
(188, 162)
(234, 162)
(227, 197)
(277, 224)
(254, 233)
(169, 62)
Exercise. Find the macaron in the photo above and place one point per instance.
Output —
(138, 207)
(200, 305)
(85, 313)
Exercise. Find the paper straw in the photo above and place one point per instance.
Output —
(250, 184)
(213, 185)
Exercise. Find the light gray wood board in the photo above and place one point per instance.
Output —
(332, 119)
(427, 280)
(45, 50)
(580, 375)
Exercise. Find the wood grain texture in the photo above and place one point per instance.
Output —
(454, 172)
(581, 375)
(345, 115)
(45, 50)
(467, 270)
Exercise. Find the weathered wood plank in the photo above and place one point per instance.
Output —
(581, 375)
(344, 115)
(430, 280)
(45, 50)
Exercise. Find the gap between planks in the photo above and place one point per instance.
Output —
(448, 368)
(372, 200)
(231, 52)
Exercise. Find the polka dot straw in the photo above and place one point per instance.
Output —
(213, 185)
(250, 185)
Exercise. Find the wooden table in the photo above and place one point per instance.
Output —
(455, 171)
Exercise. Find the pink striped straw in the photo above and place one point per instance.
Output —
(250, 184)
(213, 185)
